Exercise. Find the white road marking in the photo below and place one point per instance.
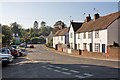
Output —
(65, 69)
(51, 65)
(66, 73)
(79, 76)
(57, 71)
(44, 66)
(74, 71)
(88, 75)
(57, 67)
(49, 68)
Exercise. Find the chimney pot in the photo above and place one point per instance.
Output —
(96, 16)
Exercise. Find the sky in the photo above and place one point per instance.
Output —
(25, 13)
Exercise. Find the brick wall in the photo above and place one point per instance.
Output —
(112, 53)
(77, 52)
(59, 47)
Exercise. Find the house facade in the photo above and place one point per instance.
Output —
(98, 33)
(61, 37)
(74, 26)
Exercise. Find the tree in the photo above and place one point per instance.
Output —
(6, 34)
(43, 24)
(35, 25)
(59, 24)
(15, 28)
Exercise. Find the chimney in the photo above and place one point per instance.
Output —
(62, 26)
(88, 18)
(96, 16)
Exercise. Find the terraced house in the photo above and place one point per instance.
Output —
(98, 33)
(61, 37)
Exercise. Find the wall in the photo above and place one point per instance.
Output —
(102, 39)
(55, 41)
(113, 32)
(112, 53)
(72, 40)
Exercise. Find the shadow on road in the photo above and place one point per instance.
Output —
(25, 68)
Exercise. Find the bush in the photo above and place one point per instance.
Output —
(37, 39)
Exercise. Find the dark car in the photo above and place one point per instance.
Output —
(31, 46)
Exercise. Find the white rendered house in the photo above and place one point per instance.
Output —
(61, 36)
(74, 26)
(96, 34)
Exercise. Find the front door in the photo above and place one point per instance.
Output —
(103, 48)
(90, 46)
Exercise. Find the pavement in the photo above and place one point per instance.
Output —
(40, 62)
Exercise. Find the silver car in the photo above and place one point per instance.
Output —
(6, 58)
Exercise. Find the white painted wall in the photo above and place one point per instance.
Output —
(72, 40)
(102, 40)
(55, 41)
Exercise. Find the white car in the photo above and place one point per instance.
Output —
(6, 58)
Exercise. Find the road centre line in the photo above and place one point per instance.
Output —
(44, 66)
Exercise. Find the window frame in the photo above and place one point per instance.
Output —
(84, 35)
(96, 34)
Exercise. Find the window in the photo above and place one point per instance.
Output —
(84, 46)
(78, 35)
(84, 35)
(96, 34)
(78, 46)
(97, 47)
(61, 38)
(71, 35)
(71, 45)
(89, 35)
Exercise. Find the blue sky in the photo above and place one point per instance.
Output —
(25, 13)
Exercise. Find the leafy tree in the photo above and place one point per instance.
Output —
(35, 25)
(43, 24)
(15, 28)
(55, 29)
(6, 34)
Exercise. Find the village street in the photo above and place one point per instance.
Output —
(41, 63)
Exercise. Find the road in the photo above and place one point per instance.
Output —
(41, 63)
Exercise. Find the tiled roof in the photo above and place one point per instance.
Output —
(62, 32)
(101, 23)
(76, 25)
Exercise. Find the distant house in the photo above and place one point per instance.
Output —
(61, 36)
(96, 34)
(74, 26)
(49, 37)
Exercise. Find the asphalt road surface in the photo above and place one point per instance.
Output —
(41, 63)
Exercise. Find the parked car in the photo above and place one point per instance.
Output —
(18, 49)
(31, 46)
(6, 58)
(23, 44)
(14, 52)
(6, 51)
